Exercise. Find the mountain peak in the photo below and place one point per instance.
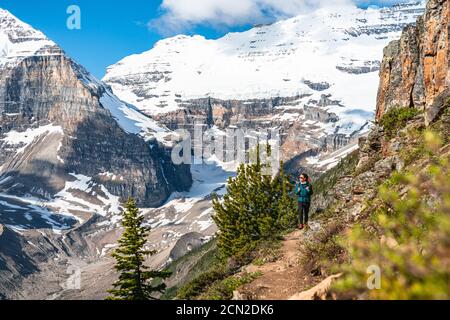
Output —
(307, 56)
(19, 40)
(16, 28)
(4, 13)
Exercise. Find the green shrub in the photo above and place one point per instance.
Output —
(223, 290)
(218, 281)
(197, 286)
(323, 249)
(414, 148)
(396, 118)
(408, 237)
(257, 206)
(196, 261)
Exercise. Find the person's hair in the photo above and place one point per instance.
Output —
(305, 175)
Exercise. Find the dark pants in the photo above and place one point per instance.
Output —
(303, 212)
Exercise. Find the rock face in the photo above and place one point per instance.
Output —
(263, 114)
(70, 153)
(187, 243)
(319, 292)
(46, 89)
(293, 75)
(415, 70)
(415, 73)
(22, 256)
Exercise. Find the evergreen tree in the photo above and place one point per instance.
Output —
(286, 206)
(256, 206)
(266, 196)
(134, 279)
(229, 211)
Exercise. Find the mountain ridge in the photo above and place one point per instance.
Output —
(71, 153)
(92, 101)
(293, 75)
(94, 116)
(383, 207)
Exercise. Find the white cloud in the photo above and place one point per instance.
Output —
(182, 15)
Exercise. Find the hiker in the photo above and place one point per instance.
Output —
(304, 191)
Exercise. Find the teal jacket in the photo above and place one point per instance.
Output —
(304, 192)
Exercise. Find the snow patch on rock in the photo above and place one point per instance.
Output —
(24, 139)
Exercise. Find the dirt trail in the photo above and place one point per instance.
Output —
(280, 279)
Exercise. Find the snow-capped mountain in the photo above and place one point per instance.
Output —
(70, 153)
(18, 41)
(319, 69)
(71, 147)
(53, 116)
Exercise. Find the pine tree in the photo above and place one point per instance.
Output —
(229, 214)
(256, 206)
(286, 206)
(134, 279)
(265, 196)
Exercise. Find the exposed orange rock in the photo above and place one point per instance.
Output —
(415, 69)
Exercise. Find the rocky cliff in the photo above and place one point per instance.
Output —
(384, 205)
(70, 153)
(57, 121)
(264, 114)
(415, 70)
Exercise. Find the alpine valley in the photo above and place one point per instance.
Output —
(73, 148)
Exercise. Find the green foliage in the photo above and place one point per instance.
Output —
(170, 293)
(414, 149)
(209, 281)
(223, 290)
(257, 206)
(134, 279)
(323, 249)
(329, 179)
(259, 262)
(442, 125)
(408, 237)
(195, 263)
(396, 118)
(393, 181)
(197, 286)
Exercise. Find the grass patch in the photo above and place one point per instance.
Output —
(223, 290)
(324, 248)
(204, 258)
(218, 280)
(329, 179)
(414, 149)
(397, 118)
(198, 286)
(259, 262)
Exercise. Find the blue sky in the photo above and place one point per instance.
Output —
(111, 30)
